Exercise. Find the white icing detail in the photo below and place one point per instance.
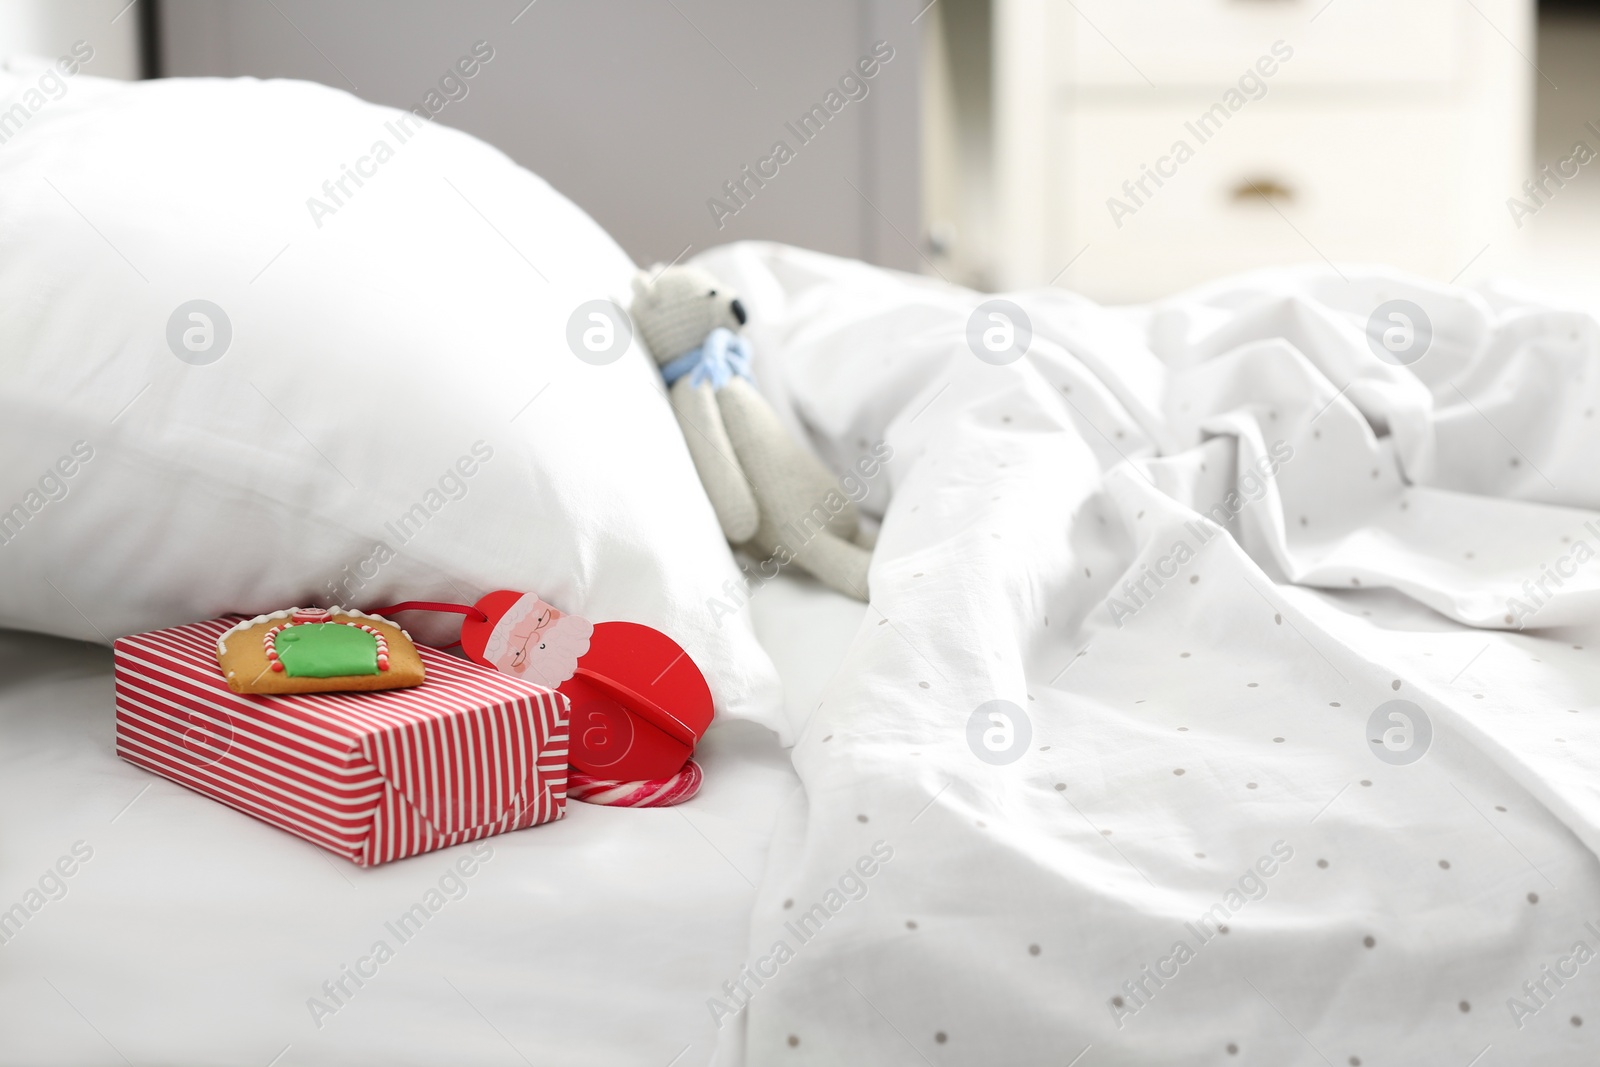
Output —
(248, 623)
(288, 613)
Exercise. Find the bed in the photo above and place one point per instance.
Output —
(1226, 692)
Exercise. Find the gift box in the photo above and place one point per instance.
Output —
(373, 776)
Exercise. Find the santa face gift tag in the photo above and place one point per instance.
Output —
(525, 637)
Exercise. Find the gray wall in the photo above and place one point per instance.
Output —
(639, 110)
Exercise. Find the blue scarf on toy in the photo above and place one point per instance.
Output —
(721, 357)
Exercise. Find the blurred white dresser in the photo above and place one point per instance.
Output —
(47, 29)
(1128, 148)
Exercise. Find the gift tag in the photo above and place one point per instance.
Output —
(639, 704)
(525, 637)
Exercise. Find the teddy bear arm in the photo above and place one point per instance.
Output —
(747, 412)
(789, 479)
(714, 458)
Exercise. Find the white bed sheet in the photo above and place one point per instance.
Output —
(196, 935)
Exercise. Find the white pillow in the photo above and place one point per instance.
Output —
(397, 414)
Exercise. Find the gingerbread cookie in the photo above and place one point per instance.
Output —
(318, 650)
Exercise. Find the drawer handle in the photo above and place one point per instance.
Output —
(1271, 190)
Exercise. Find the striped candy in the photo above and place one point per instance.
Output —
(372, 776)
(661, 793)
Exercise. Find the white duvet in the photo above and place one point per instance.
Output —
(1296, 654)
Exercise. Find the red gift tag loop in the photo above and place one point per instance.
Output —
(431, 605)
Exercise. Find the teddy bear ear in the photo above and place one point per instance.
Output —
(641, 281)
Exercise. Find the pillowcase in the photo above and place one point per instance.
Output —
(264, 344)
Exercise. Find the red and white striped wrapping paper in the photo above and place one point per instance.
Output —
(372, 776)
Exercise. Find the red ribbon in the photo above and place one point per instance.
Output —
(432, 605)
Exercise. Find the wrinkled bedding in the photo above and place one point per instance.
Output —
(1227, 696)
(1228, 692)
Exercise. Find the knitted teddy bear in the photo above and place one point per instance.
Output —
(772, 496)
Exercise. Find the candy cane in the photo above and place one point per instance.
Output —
(660, 793)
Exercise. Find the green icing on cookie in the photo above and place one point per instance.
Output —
(327, 650)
